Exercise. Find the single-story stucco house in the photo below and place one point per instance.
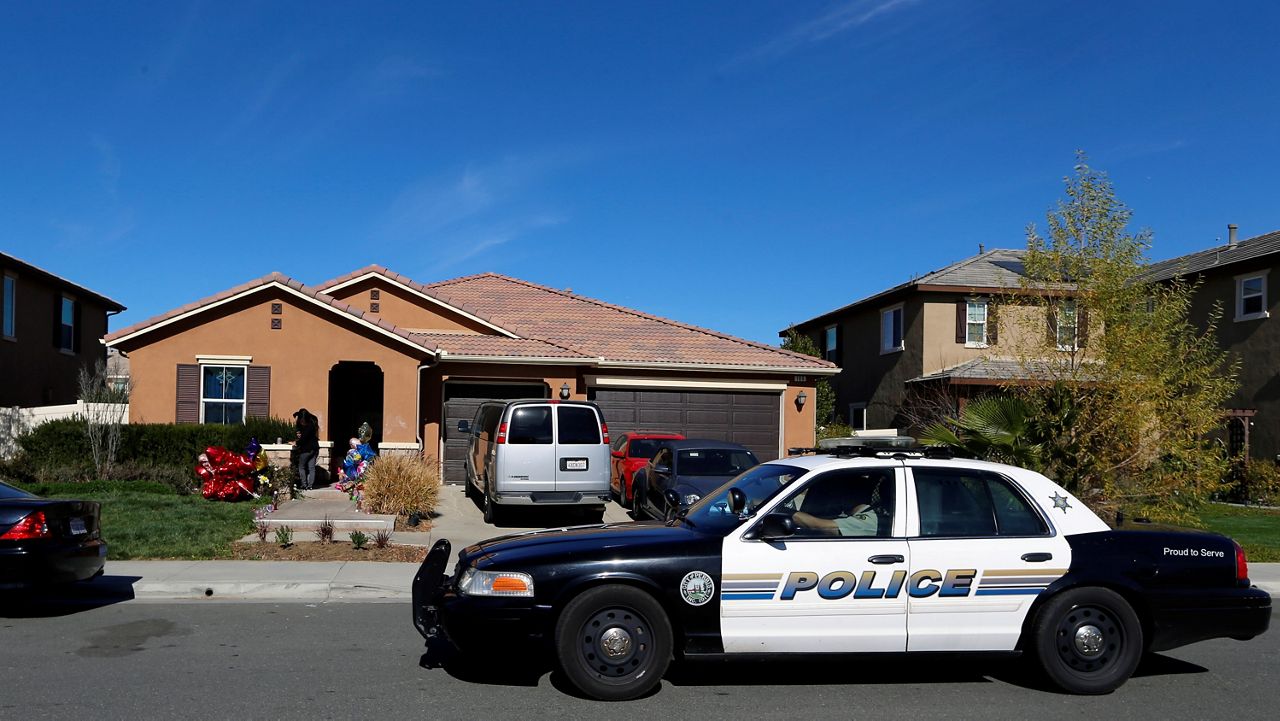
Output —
(413, 359)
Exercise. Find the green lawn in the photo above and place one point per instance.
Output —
(1255, 529)
(156, 523)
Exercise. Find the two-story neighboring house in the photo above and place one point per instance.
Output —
(956, 329)
(50, 328)
(1236, 277)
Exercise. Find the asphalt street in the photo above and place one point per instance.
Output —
(258, 660)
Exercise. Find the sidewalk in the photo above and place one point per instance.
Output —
(457, 518)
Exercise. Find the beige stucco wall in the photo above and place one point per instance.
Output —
(406, 309)
(310, 342)
(1021, 333)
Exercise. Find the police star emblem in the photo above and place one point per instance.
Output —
(1060, 502)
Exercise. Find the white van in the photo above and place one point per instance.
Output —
(538, 452)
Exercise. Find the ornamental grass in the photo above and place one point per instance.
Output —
(401, 484)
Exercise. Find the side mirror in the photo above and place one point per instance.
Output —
(464, 426)
(662, 469)
(776, 525)
(737, 501)
(672, 498)
(618, 454)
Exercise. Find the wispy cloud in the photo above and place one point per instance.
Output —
(264, 94)
(99, 219)
(108, 165)
(841, 19)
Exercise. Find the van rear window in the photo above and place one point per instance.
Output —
(578, 425)
(529, 425)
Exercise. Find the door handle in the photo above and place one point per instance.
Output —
(1037, 557)
(886, 559)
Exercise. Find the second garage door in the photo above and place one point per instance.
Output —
(750, 419)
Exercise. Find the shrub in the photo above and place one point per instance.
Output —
(382, 538)
(401, 484)
(64, 442)
(284, 536)
(358, 540)
(262, 528)
(324, 531)
(88, 488)
(1259, 483)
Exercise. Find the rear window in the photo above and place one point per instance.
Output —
(578, 425)
(643, 448)
(713, 462)
(972, 503)
(530, 425)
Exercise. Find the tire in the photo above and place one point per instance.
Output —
(1088, 640)
(637, 498)
(592, 515)
(638, 633)
(490, 508)
(623, 500)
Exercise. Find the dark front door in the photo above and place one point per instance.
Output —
(355, 397)
(750, 419)
(461, 399)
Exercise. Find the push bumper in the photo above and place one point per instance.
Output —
(1180, 619)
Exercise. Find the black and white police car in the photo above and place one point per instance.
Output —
(851, 551)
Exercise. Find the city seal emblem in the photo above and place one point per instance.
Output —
(696, 588)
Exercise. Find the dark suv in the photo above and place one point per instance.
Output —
(690, 468)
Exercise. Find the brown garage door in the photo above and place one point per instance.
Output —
(461, 399)
(750, 419)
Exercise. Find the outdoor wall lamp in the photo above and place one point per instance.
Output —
(564, 392)
(800, 400)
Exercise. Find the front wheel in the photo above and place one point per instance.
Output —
(613, 643)
(1088, 640)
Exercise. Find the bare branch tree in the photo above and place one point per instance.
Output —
(106, 400)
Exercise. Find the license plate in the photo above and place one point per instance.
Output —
(575, 464)
(77, 527)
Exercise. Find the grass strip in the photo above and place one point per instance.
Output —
(151, 525)
(1257, 530)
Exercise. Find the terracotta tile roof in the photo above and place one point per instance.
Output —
(273, 278)
(14, 263)
(609, 332)
(455, 344)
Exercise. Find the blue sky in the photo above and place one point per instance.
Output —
(737, 165)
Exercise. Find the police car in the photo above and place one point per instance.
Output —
(847, 551)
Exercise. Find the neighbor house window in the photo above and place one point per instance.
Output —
(67, 337)
(829, 344)
(858, 416)
(10, 295)
(222, 394)
(1251, 296)
(1067, 325)
(891, 329)
(976, 328)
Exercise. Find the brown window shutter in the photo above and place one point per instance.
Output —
(993, 323)
(962, 320)
(1082, 326)
(1051, 314)
(258, 392)
(188, 394)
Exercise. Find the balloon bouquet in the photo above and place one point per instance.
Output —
(357, 461)
(227, 476)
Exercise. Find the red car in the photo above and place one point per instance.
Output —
(631, 451)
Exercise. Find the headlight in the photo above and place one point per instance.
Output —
(691, 499)
(495, 583)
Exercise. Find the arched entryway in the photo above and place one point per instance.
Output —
(355, 397)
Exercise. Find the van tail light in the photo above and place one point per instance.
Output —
(33, 526)
(1242, 565)
(502, 433)
(604, 432)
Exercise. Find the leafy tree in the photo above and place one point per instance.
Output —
(825, 403)
(1135, 389)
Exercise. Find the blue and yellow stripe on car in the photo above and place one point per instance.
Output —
(749, 586)
(1017, 581)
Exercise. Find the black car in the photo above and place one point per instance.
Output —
(683, 471)
(861, 552)
(45, 541)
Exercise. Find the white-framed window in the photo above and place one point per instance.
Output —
(9, 301)
(222, 393)
(1068, 325)
(858, 416)
(829, 351)
(1251, 296)
(891, 329)
(67, 321)
(976, 325)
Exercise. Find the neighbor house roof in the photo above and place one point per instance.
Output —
(535, 323)
(1216, 257)
(25, 268)
(996, 269)
(995, 371)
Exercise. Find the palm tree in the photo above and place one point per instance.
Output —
(996, 428)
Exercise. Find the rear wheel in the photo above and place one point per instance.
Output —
(1088, 640)
(490, 508)
(613, 643)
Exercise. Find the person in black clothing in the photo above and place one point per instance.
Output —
(308, 446)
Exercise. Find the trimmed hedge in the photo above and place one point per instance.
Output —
(63, 443)
(97, 487)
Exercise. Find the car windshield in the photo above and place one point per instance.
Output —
(711, 514)
(8, 491)
(713, 462)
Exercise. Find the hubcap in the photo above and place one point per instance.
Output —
(615, 643)
(1089, 640)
